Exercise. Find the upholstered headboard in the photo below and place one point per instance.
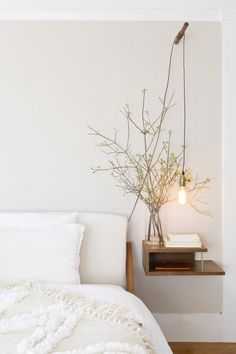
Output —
(103, 251)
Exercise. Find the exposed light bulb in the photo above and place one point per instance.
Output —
(182, 195)
(182, 198)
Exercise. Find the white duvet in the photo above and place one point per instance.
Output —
(81, 319)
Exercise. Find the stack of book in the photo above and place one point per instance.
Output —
(183, 240)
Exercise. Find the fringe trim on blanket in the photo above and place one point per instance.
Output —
(75, 305)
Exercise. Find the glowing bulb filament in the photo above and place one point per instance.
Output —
(182, 196)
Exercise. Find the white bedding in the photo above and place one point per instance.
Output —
(126, 337)
(116, 294)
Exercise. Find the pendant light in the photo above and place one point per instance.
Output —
(182, 196)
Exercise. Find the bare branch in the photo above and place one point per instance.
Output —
(151, 174)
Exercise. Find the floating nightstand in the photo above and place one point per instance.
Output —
(160, 260)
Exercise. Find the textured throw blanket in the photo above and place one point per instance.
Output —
(39, 320)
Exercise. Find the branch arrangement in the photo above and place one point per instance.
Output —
(152, 173)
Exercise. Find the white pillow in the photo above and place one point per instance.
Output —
(36, 219)
(48, 255)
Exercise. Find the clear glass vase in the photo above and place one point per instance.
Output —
(155, 234)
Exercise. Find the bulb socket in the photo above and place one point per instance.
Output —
(182, 180)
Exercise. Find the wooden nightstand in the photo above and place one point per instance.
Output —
(160, 260)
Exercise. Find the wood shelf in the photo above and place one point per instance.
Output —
(162, 249)
(169, 259)
(209, 268)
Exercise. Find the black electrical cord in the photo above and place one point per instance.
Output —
(185, 111)
(182, 180)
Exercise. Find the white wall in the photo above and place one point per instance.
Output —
(229, 30)
(57, 77)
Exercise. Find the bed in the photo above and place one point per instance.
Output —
(48, 306)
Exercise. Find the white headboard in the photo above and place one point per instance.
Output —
(103, 251)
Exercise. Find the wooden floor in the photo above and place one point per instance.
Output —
(203, 348)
